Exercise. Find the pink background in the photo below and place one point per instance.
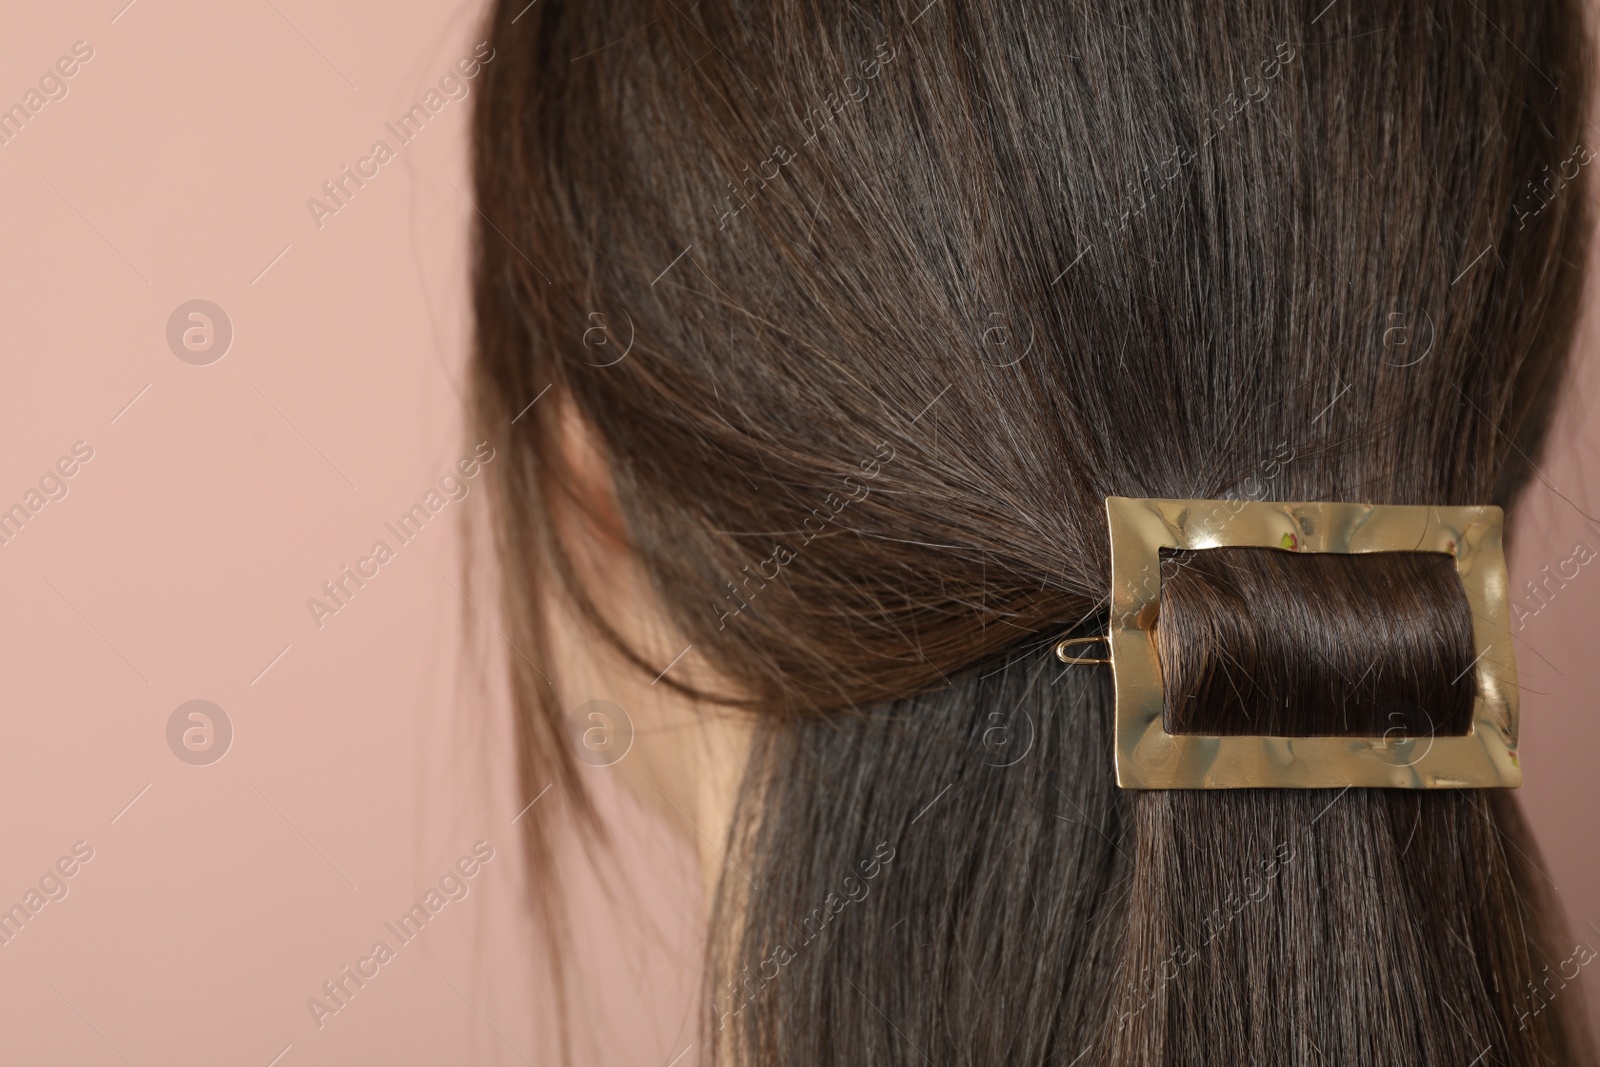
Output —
(368, 755)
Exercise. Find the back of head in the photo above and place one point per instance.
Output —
(909, 294)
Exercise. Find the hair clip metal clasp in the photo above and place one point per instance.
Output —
(1065, 655)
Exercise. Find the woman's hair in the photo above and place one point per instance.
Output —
(869, 309)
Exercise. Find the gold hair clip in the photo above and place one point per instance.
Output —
(1147, 757)
(1069, 657)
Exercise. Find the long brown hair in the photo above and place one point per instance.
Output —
(870, 308)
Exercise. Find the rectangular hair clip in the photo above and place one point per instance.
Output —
(1147, 757)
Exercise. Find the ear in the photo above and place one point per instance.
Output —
(585, 477)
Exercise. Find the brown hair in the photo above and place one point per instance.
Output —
(1392, 653)
(870, 309)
